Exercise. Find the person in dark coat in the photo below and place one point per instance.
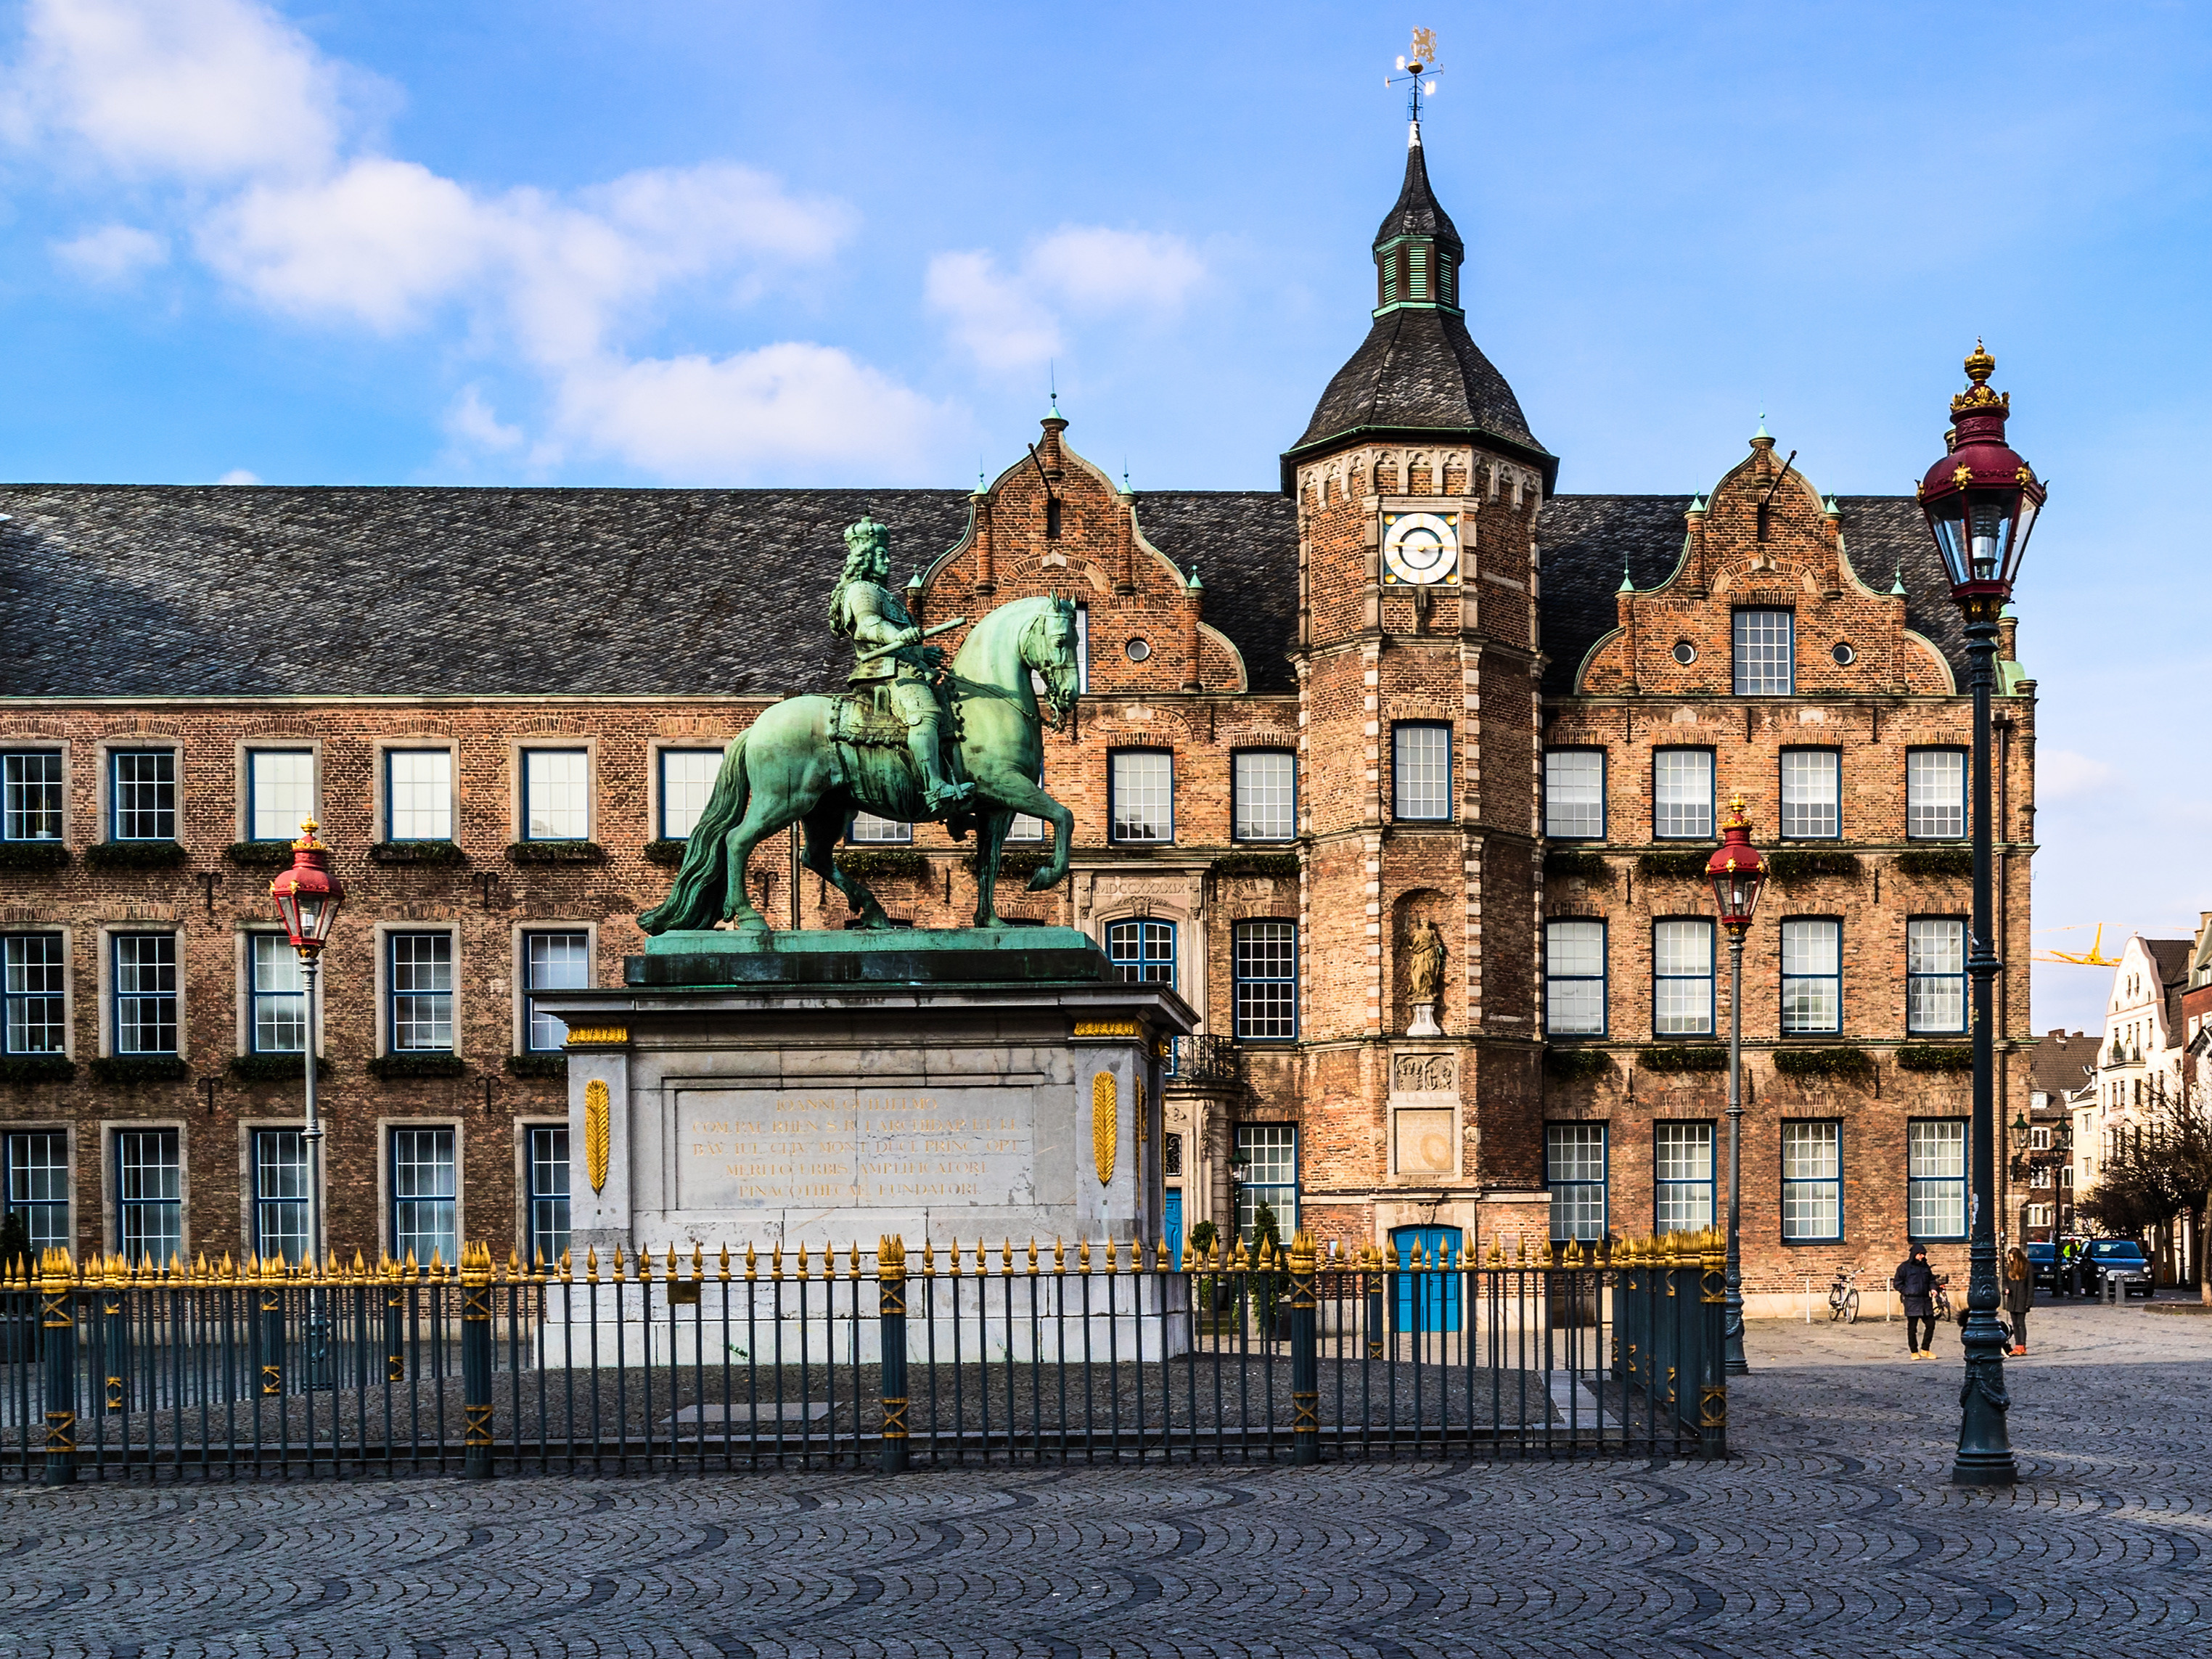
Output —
(2019, 1295)
(1915, 1283)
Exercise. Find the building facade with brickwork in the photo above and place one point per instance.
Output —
(1410, 689)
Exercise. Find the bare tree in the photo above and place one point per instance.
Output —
(2152, 1174)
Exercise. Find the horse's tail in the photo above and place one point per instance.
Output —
(696, 899)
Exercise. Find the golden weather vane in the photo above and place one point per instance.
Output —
(1420, 59)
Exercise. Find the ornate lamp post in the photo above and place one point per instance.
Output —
(307, 899)
(1981, 500)
(1738, 874)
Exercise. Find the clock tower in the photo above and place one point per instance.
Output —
(1418, 486)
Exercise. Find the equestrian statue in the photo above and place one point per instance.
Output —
(912, 739)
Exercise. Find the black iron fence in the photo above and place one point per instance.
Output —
(889, 1360)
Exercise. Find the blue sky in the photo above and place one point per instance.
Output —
(662, 242)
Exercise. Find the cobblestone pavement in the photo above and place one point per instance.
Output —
(1830, 1532)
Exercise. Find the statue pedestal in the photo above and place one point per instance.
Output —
(1424, 1021)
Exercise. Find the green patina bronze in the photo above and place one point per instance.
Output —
(910, 740)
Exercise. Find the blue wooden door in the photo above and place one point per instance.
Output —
(1437, 1292)
(1174, 1225)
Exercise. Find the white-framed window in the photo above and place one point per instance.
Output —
(687, 779)
(31, 794)
(35, 989)
(37, 1185)
(1766, 654)
(144, 971)
(1265, 962)
(1936, 1177)
(1574, 978)
(552, 960)
(277, 999)
(1935, 974)
(424, 1173)
(1264, 790)
(1682, 1171)
(1268, 1156)
(419, 970)
(1143, 789)
(1682, 794)
(418, 794)
(149, 1196)
(1574, 794)
(1934, 794)
(280, 792)
(142, 795)
(557, 795)
(868, 829)
(1812, 974)
(1812, 1181)
(1025, 828)
(1812, 794)
(1420, 771)
(1682, 978)
(1082, 649)
(280, 1194)
(1575, 1170)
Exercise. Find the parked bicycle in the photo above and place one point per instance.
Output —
(1844, 1296)
(1941, 1297)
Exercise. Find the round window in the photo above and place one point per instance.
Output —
(1137, 650)
(1843, 655)
(1685, 652)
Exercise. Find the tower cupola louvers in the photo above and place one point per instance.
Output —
(1419, 376)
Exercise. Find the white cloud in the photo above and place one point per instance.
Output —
(1012, 320)
(2062, 774)
(759, 413)
(239, 475)
(471, 420)
(200, 88)
(113, 253)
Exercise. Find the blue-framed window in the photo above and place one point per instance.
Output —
(1681, 794)
(425, 1185)
(1934, 794)
(548, 1162)
(31, 797)
(1935, 974)
(1264, 962)
(1268, 1163)
(1936, 1177)
(1141, 782)
(280, 1194)
(1574, 978)
(1421, 771)
(37, 1185)
(1574, 794)
(1143, 951)
(142, 795)
(149, 1196)
(418, 794)
(419, 993)
(1812, 976)
(1812, 794)
(1682, 1177)
(1766, 653)
(1812, 1181)
(1575, 1171)
(34, 985)
(551, 960)
(1264, 795)
(687, 779)
(1682, 978)
(145, 993)
(557, 795)
(280, 792)
(277, 994)
(867, 829)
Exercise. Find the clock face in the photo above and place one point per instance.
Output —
(1420, 547)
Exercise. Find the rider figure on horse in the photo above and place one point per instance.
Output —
(864, 611)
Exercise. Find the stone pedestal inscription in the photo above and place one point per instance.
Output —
(822, 1148)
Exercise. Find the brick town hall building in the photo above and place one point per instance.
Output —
(1410, 685)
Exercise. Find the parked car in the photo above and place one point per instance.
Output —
(2115, 1258)
(2043, 1267)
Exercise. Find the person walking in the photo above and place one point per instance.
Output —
(1915, 1283)
(2019, 1295)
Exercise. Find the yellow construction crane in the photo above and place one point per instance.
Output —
(2093, 957)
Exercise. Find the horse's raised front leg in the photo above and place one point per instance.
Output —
(825, 824)
(1012, 793)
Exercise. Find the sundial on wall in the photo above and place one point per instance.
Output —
(1420, 547)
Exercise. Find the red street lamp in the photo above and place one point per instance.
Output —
(307, 899)
(1738, 874)
(1981, 500)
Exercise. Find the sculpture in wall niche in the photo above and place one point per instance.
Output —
(1425, 957)
(1423, 1074)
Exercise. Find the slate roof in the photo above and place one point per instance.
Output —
(1417, 212)
(1582, 542)
(222, 591)
(2054, 1064)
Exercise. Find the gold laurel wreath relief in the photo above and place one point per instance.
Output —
(596, 1133)
(1105, 1129)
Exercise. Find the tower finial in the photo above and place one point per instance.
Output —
(1419, 59)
